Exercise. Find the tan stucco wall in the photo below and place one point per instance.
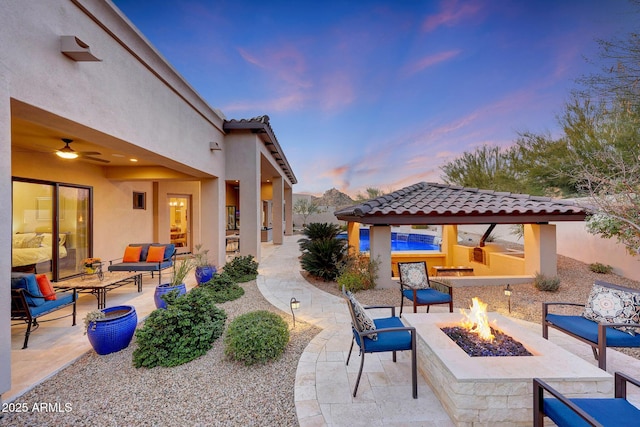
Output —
(5, 229)
(243, 164)
(576, 242)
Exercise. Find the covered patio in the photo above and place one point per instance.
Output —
(449, 206)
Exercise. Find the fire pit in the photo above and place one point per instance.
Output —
(494, 391)
(478, 339)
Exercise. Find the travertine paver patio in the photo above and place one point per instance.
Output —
(323, 382)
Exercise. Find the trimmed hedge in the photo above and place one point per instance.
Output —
(256, 337)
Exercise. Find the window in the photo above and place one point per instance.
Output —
(139, 200)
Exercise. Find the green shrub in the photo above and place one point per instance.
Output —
(546, 284)
(242, 269)
(324, 258)
(256, 337)
(318, 231)
(222, 288)
(184, 331)
(358, 273)
(600, 268)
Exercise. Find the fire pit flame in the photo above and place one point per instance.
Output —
(477, 321)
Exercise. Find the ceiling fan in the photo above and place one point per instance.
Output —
(67, 152)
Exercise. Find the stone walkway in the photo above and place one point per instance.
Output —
(324, 383)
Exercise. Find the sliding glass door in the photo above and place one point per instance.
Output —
(52, 228)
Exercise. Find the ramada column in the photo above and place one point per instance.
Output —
(353, 234)
(380, 250)
(540, 254)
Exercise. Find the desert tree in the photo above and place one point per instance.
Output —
(306, 208)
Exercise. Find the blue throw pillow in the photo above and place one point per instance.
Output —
(28, 282)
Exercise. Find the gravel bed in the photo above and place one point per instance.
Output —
(209, 391)
(526, 301)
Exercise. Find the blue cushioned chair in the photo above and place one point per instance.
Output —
(390, 334)
(416, 286)
(577, 412)
(598, 335)
(28, 304)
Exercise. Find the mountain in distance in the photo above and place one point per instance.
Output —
(334, 197)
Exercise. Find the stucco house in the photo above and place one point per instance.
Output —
(155, 162)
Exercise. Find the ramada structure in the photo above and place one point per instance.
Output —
(449, 206)
(155, 162)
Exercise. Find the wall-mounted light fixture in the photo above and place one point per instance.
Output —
(507, 292)
(214, 146)
(76, 49)
(294, 304)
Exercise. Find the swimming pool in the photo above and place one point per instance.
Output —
(400, 241)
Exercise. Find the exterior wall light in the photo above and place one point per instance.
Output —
(76, 49)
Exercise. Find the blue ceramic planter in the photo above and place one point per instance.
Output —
(115, 331)
(165, 289)
(204, 274)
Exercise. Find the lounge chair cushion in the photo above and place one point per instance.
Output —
(365, 322)
(609, 412)
(62, 299)
(30, 284)
(414, 275)
(387, 341)
(427, 296)
(588, 330)
(610, 305)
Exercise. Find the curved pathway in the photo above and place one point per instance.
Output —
(324, 383)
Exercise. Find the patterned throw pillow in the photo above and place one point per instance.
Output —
(414, 275)
(34, 242)
(610, 305)
(365, 322)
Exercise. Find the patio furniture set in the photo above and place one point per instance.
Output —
(33, 296)
(610, 319)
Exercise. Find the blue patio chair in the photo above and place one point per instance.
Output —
(577, 412)
(380, 335)
(416, 286)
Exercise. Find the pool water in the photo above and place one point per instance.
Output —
(400, 241)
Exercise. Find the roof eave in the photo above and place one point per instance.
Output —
(460, 219)
(262, 127)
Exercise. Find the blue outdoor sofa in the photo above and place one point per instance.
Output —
(167, 261)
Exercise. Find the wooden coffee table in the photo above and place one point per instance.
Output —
(90, 283)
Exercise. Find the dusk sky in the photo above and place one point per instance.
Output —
(382, 93)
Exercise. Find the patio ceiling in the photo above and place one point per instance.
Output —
(428, 203)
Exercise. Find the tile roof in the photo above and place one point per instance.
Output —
(432, 203)
(261, 124)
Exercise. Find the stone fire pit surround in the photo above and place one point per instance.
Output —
(497, 391)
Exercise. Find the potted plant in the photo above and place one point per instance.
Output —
(111, 329)
(91, 265)
(180, 271)
(204, 269)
